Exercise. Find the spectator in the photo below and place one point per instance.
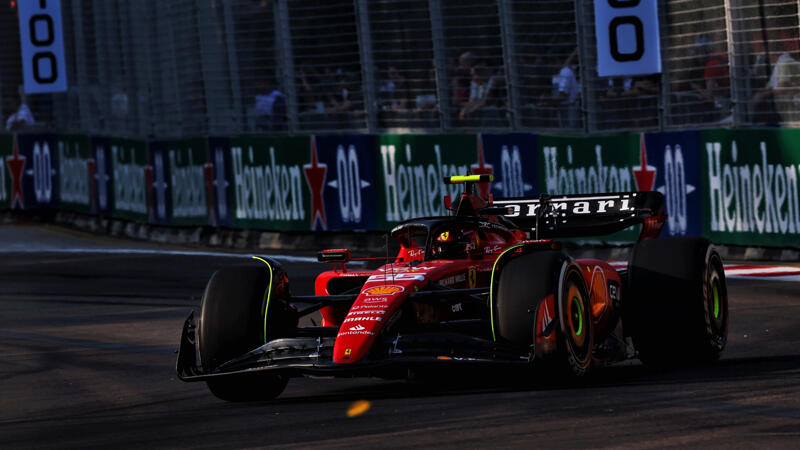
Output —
(426, 90)
(309, 96)
(20, 119)
(344, 101)
(483, 93)
(642, 94)
(565, 91)
(758, 75)
(783, 86)
(695, 92)
(270, 108)
(462, 79)
(393, 91)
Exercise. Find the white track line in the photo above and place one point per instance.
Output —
(141, 251)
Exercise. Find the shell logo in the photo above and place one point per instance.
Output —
(383, 290)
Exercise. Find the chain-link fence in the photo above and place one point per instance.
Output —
(224, 67)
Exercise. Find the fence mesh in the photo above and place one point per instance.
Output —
(223, 67)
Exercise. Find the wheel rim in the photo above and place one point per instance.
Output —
(577, 316)
(715, 297)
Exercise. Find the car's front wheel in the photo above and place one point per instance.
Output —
(243, 306)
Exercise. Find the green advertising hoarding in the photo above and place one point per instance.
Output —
(589, 165)
(73, 172)
(750, 186)
(271, 184)
(189, 204)
(411, 169)
(130, 178)
(6, 152)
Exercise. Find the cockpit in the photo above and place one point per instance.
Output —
(426, 240)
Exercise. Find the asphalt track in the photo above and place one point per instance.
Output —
(87, 343)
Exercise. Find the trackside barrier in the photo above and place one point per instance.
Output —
(734, 186)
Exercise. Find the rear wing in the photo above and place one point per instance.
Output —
(585, 215)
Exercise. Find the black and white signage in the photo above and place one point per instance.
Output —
(627, 37)
(40, 30)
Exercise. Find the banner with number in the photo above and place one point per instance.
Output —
(40, 32)
(627, 37)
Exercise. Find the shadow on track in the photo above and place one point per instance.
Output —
(452, 383)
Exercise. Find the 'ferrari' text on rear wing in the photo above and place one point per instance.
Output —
(584, 215)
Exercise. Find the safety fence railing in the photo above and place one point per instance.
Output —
(221, 67)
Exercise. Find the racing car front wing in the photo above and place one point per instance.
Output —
(310, 352)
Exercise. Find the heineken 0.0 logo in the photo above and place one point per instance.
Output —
(270, 191)
(73, 176)
(348, 183)
(42, 172)
(675, 190)
(760, 197)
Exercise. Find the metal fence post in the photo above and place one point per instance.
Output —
(80, 71)
(735, 67)
(664, 110)
(440, 59)
(286, 61)
(368, 81)
(211, 66)
(588, 101)
(233, 69)
(510, 63)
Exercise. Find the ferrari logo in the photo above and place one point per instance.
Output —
(472, 277)
(348, 351)
(445, 236)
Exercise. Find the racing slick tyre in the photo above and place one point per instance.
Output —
(243, 307)
(676, 307)
(517, 299)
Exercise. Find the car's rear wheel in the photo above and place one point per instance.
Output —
(577, 337)
(243, 307)
(676, 307)
(525, 281)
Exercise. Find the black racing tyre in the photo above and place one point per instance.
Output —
(233, 322)
(524, 281)
(676, 305)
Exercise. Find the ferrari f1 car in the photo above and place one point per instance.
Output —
(485, 286)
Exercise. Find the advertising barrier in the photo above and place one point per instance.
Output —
(74, 168)
(512, 158)
(271, 179)
(732, 186)
(347, 165)
(101, 176)
(34, 171)
(177, 190)
(750, 186)
(674, 158)
(7, 154)
(131, 179)
(411, 169)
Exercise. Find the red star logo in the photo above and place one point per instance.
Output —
(208, 171)
(16, 165)
(482, 169)
(645, 175)
(315, 177)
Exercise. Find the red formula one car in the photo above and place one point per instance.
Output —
(485, 286)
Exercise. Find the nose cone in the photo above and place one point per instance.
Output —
(366, 318)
